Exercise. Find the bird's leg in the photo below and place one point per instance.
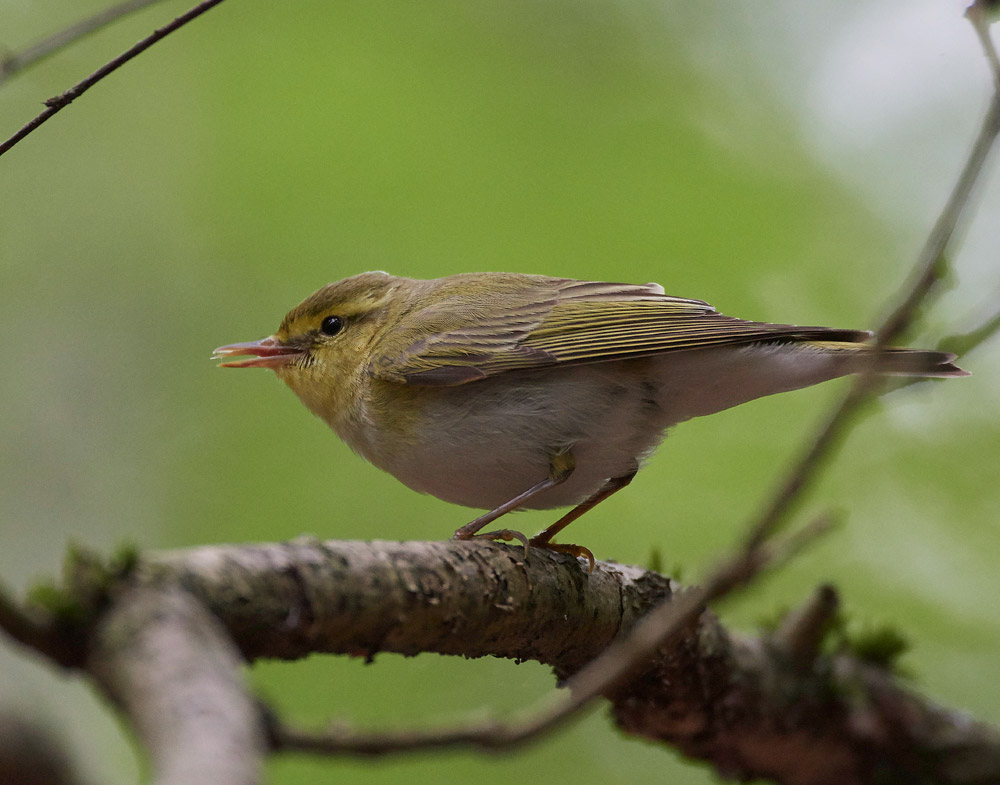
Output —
(544, 539)
(561, 466)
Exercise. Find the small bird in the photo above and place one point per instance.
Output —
(503, 391)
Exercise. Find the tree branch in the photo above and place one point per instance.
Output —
(59, 102)
(13, 64)
(173, 670)
(963, 343)
(451, 597)
(929, 268)
(767, 707)
(751, 706)
(31, 754)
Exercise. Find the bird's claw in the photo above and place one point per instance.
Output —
(507, 535)
(572, 550)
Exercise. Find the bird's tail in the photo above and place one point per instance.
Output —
(894, 361)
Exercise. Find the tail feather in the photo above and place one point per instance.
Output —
(919, 362)
(896, 361)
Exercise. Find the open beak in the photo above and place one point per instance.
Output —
(267, 353)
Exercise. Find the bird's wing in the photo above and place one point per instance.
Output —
(563, 322)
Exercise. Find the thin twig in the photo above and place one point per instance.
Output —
(963, 343)
(928, 270)
(19, 61)
(931, 263)
(802, 631)
(530, 725)
(54, 105)
(960, 344)
(979, 15)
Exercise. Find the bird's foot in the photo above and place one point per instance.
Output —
(572, 550)
(507, 535)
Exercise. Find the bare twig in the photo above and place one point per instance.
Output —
(931, 263)
(532, 724)
(802, 630)
(19, 61)
(979, 14)
(928, 270)
(963, 343)
(960, 344)
(56, 104)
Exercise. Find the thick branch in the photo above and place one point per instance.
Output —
(739, 703)
(753, 707)
(750, 706)
(292, 599)
(174, 672)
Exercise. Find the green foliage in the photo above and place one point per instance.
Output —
(880, 644)
(87, 582)
(64, 607)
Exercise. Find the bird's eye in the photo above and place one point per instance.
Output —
(331, 325)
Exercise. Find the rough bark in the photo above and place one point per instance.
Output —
(165, 641)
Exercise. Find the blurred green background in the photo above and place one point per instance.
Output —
(783, 161)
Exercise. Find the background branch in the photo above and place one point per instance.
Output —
(749, 705)
(172, 669)
(16, 62)
(963, 343)
(31, 754)
(59, 102)
(928, 270)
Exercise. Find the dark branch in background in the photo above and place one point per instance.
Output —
(34, 631)
(31, 754)
(54, 105)
(15, 63)
(963, 343)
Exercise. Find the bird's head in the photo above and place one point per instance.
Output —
(326, 340)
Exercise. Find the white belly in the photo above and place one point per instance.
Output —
(480, 444)
(485, 442)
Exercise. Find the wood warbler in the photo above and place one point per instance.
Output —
(503, 391)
